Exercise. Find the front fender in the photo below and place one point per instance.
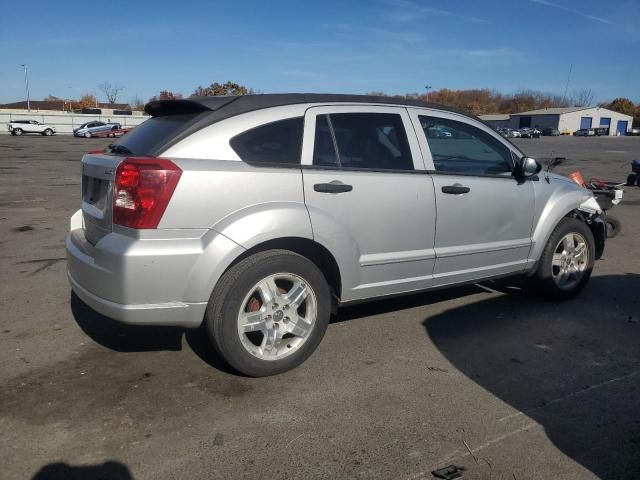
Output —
(562, 201)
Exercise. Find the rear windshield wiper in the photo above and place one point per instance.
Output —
(119, 149)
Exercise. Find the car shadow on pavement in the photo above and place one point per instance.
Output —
(121, 337)
(572, 367)
(110, 470)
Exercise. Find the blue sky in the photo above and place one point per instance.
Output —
(394, 46)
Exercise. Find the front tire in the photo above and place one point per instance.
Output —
(17, 131)
(567, 260)
(87, 135)
(48, 132)
(269, 312)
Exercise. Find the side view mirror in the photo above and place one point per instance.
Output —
(527, 167)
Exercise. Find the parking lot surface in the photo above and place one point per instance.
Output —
(486, 377)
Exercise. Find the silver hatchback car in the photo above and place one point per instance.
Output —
(260, 215)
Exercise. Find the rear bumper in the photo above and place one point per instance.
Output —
(180, 314)
(149, 281)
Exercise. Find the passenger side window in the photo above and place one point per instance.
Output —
(276, 142)
(457, 147)
(374, 141)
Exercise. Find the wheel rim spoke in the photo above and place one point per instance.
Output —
(298, 326)
(271, 342)
(297, 295)
(557, 259)
(268, 290)
(253, 322)
(567, 242)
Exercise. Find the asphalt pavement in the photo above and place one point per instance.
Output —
(485, 377)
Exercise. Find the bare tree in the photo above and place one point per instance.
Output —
(582, 97)
(111, 91)
(137, 104)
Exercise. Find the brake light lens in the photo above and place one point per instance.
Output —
(143, 188)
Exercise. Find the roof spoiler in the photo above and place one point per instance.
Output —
(162, 108)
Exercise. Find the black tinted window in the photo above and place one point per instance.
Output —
(457, 147)
(364, 140)
(277, 142)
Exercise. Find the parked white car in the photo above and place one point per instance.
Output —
(18, 127)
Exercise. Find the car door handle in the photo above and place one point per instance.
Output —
(332, 187)
(456, 189)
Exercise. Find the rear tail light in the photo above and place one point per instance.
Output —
(142, 190)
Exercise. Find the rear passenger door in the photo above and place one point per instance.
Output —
(370, 202)
(484, 215)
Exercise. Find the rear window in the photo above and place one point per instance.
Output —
(152, 134)
(276, 142)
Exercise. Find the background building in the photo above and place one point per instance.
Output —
(566, 119)
(498, 120)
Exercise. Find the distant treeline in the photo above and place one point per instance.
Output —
(484, 101)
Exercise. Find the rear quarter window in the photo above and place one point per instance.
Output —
(276, 142)
(153, 134)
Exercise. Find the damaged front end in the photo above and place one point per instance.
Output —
(591, 214)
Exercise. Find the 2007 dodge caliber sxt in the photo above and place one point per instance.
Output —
(259, 215)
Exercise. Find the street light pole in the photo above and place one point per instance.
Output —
(427, 88)
(26, 86)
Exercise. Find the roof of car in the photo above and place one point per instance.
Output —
(235, 105)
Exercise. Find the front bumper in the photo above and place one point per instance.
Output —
(599, 229)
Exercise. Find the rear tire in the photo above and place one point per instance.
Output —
(566, 262)
(268, 313)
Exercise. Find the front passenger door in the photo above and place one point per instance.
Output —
(484, 216)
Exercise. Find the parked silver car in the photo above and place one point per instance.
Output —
(89, 129)
(260, 215)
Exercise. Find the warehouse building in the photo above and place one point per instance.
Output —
(570, 119)
(498, 120)
(567, 119)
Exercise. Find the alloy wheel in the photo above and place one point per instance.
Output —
(277, 316)
(570, 260)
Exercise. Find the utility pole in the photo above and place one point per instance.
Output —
(427, 88)
(566, 87)
(26, 86)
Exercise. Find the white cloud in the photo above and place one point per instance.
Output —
(573, 10)
(408, 11)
